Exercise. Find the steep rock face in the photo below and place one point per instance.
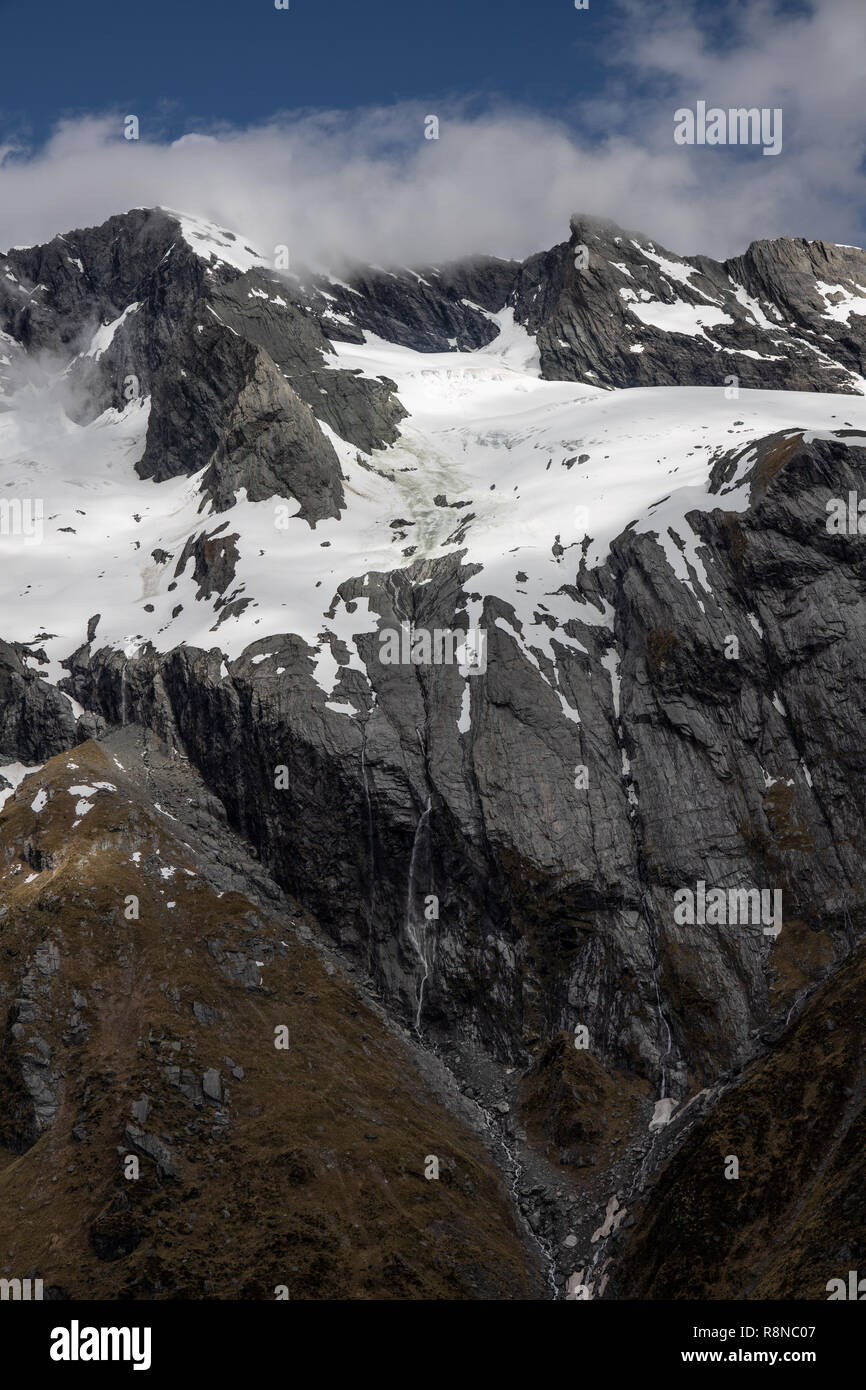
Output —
(814, 285)
(195, 391)
(614, 308)
(90, 276)
(508, 845)
(744, 742)
(272, 446)
(36, 720)
(221, 403)
(294, 326)
(430, 310)
(559, 901)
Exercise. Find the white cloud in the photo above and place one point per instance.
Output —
(367, 185)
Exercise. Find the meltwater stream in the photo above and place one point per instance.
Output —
(416, 927)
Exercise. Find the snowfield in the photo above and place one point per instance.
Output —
(539, 466)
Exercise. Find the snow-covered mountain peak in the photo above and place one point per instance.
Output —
(225, 453)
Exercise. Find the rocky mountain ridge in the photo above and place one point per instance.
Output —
(613, 462)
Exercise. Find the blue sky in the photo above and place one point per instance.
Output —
(182, 63)
(306, 126)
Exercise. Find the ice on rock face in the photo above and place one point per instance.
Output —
(104, 336)
(464, 723)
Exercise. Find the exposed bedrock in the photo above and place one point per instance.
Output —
(555, 900)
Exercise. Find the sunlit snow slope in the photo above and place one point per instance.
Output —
(530, 479)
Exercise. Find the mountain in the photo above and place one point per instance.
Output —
(152, 1036)
(492, 611)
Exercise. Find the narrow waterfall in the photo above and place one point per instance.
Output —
(371, 850)
(416, 925)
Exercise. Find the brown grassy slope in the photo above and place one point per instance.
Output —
(306, 1171)
(794, 1218)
